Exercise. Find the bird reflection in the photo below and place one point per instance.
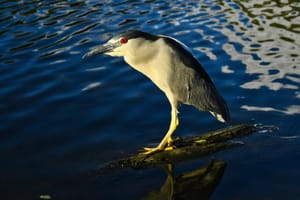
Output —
(196, 184)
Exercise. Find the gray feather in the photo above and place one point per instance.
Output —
(191, 84)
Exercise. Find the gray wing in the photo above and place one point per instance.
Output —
(191, 84)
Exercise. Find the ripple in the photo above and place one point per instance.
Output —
(291, 137)
(95, 69)
(290, 110)
(279, 37)
(56, 105)
(226, 69)
(91, 86)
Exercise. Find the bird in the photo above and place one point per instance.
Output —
(171, 66)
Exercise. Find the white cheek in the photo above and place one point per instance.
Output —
(116, 52)
(112, 53)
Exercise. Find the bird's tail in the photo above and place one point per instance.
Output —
(222, 111)
(221, 117)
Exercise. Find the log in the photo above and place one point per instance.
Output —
(187, 148)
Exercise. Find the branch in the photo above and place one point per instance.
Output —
(188, 148)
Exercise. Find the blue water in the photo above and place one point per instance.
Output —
(63, 116)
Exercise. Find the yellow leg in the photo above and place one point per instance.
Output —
(167, 140)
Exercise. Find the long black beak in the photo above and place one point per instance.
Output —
(100, 50)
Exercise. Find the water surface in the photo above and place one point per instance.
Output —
(62, 116)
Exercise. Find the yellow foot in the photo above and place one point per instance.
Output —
(149, 151)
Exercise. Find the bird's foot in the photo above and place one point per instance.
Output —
(149, 151)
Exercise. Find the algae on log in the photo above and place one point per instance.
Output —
(188, 148)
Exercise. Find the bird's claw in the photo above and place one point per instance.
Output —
(149, 151)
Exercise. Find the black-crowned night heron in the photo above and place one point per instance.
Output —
(172, 67)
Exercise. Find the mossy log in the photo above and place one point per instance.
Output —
(188, 148)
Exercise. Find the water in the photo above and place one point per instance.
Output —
(62, 116)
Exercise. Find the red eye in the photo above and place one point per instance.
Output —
(123, 40)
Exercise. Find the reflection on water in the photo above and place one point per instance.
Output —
(196, 184)
(61, 114)
(265, 37)
(269, 34)
(290, 110)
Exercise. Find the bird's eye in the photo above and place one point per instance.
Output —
(123, 40)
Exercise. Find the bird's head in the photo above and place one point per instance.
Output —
(126, 43)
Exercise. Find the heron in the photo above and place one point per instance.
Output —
(171, 66)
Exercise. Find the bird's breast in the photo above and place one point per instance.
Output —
(156, 65)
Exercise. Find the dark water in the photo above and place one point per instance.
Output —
(62, 116)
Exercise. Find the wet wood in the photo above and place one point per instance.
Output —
(188, 148)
